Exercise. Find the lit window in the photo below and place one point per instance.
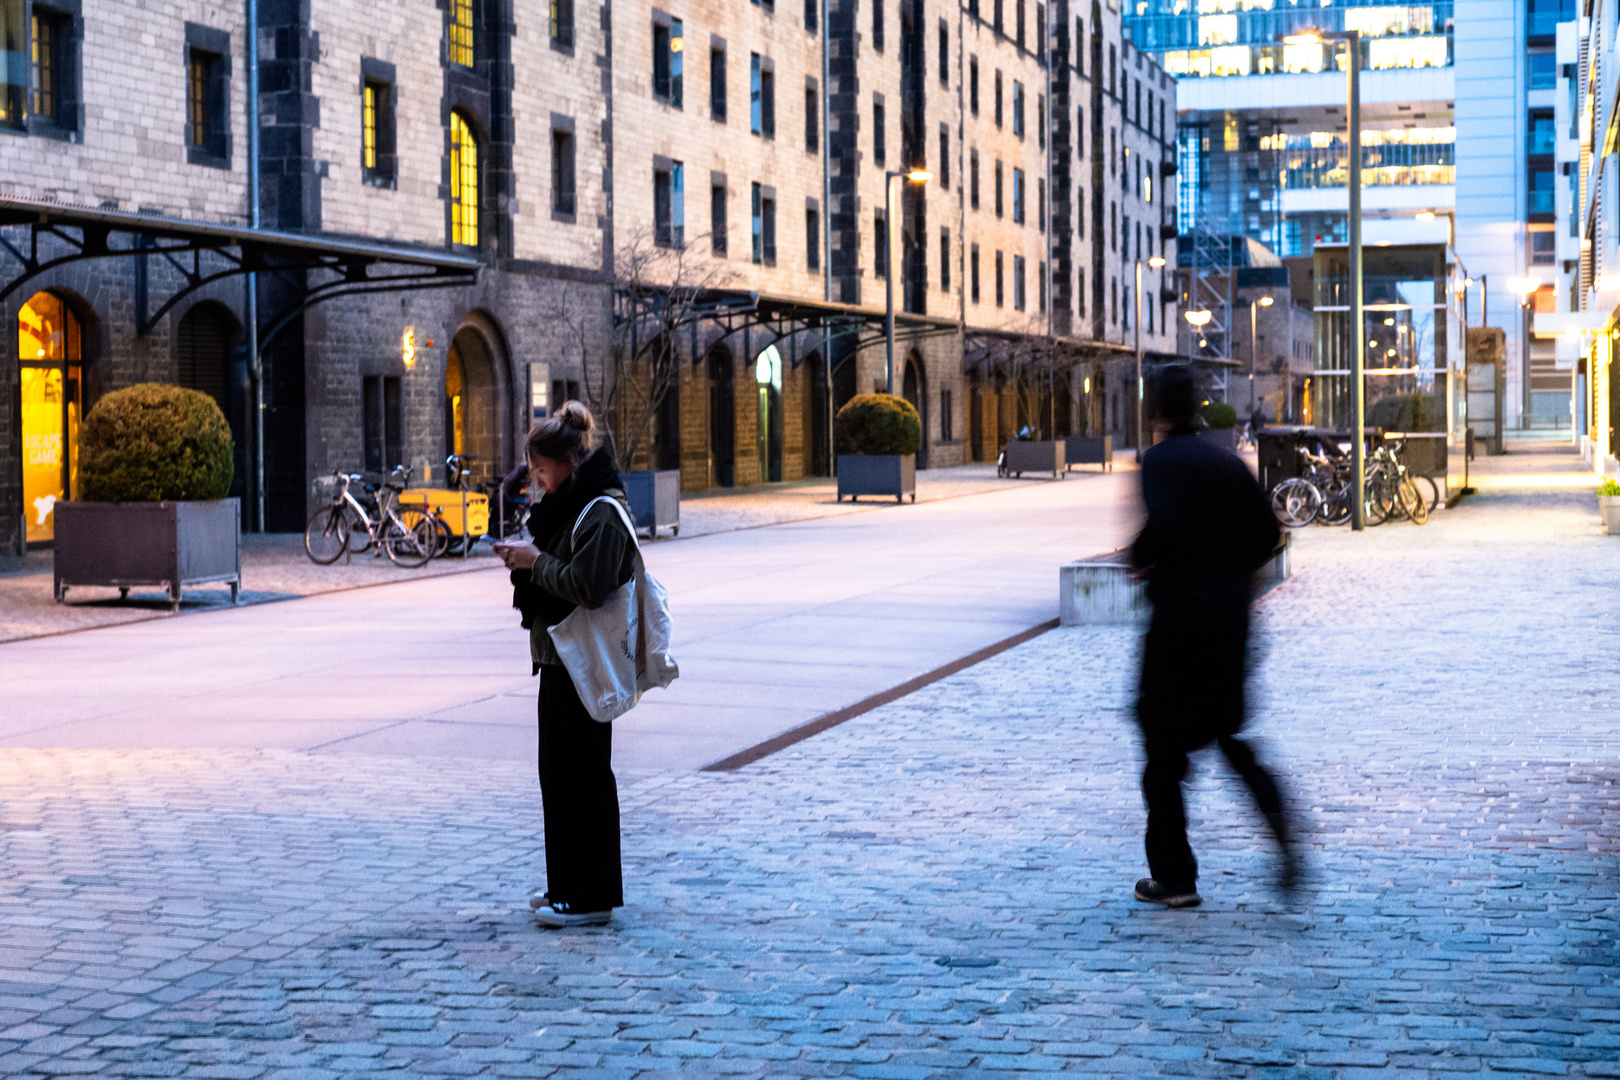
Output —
(197, 99)
(461, 33)
(368, 127)
(463, 183)
(44, 64)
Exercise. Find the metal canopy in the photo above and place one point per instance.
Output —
(737, 311)
(350, 266)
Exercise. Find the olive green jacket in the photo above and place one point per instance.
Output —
(582, 566)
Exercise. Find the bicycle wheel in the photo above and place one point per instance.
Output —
(359, 533)
(1382, 503)
(402, 546)
(1335, 502)
(326, 536)
(434, 531)
(1295, 502)
(1434, 490)
(1413, 505)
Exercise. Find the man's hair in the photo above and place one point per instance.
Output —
(1176, 393)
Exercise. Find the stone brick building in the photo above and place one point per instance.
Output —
(414, 234)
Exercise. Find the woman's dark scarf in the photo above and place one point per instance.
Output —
(554, 514)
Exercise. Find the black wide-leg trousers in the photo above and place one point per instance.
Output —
(580, 799)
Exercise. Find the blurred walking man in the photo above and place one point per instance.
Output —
(1208, 530)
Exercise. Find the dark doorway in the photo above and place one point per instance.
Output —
(207, 355)
(975, 417)
(815, 423)
(915, 390)
(722, 417)
(667, 379)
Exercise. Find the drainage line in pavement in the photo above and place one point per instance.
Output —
(866, 705)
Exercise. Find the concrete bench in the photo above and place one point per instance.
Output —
(1099, 591)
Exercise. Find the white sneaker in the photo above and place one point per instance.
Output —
(559, 914)
(538, 898)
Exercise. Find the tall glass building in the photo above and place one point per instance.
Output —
(1261, 134)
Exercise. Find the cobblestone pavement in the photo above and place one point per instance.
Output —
(937, 888)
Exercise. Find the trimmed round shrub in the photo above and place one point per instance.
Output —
(154, 443)
(878, 424)
(1219, 415)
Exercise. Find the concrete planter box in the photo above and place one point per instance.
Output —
(655, 499)
(877, 474)
(1099, 591)
(1042, 456)
(1609, 507)
(1225, 438)
(122, 545)
(1089, 450)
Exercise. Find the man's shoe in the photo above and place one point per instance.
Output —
(1152, 892)
(539, 898)
(557, 914)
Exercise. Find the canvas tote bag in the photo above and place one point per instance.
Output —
(621, 649)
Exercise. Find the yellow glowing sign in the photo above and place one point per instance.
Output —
(407, 346)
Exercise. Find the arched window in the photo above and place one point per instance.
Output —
(463, 183)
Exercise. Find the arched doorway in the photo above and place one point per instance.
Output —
(722, 418)
(471, 428)
(768, 382)
(914, 389)
(50, 344)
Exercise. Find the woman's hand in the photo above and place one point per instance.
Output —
(518, 556)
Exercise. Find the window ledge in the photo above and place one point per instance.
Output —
(560, 46)
(567, 217)
(382, 183)
(50, 129)
(197, 155)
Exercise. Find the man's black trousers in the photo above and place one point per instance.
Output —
(1192, 694)
(1169, 855)
(580, 798)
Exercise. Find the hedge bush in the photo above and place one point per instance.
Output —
(1405, 412)
(154, 443)
(1219, 415)
(878, 424)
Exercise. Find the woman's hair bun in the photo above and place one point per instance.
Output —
(576, 416)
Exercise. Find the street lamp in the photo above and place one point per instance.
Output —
(1156, 262)
(1525, 287)
(891, 212)
(1358, 332)
(1264, 301)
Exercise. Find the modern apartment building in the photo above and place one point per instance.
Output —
(1588, 323)
(1509, 181)
(1262, 131)
(380, 235)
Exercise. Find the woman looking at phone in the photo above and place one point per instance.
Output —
(565, 567)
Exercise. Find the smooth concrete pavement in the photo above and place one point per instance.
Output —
(774, 626)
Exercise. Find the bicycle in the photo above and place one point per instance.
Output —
(1322, 494)
(1391, 491)
(330, 532)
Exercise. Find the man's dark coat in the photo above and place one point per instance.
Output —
(1209, 528)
